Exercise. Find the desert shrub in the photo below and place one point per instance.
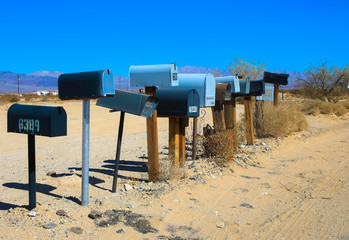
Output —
(278, 121)
(220, 146)
(315, 107)
(339, 109)
(30, 97)
(4, 98)
(168, 171)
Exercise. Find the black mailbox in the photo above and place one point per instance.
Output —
(276, 78)
(178, 102)
(130, 102)
(86, 85)
(257, 88)
(223, 92)
(37, 120)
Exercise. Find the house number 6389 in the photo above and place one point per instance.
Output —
(26, 125)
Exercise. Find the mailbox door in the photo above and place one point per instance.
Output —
(37, 120)
(164, 75)
(257, 87)
(223, 92)
(233, 80)
(129, 102)
(82, 85)
(205, 84)
(178, 102)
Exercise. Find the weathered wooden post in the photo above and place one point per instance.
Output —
(151, 77)
(223, 94)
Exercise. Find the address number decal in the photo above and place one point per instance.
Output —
(28, 125)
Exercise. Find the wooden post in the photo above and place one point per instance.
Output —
(248, 120)
(152, 140)
(195, 133)
(218, 117)
(184, 122)
(259, 113)
(276, 94)
(173, 141)
(230, 119)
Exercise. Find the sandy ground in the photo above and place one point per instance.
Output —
(290, 188)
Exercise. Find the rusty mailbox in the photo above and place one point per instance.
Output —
(257, 87)
(36, 120)
(276, 78)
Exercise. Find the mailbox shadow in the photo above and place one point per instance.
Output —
(42, 188)
(7, 206)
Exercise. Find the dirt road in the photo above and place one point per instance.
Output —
(290, 188)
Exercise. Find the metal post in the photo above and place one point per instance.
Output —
(118, 150)
(31, 171)
(85, 151)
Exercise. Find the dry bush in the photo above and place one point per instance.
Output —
(345, 103)
(220, 146)
(168, 171)
(339, 109)
(315, 107)
(5, 98)
(279, 121)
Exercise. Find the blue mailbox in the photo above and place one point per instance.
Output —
(257, 87)
(244, 87)
(130, 102)
(205, 84)
(164, 75)
(233, 80)
(86, 85)
(178, 102)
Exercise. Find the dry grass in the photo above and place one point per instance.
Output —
(219, 146)
(279, 121)
(168, 171)
(315, 107)
(6, 98)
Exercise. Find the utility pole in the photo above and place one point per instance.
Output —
(18, 86)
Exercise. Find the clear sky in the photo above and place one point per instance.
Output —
(73, 36)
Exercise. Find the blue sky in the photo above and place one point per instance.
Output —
(73, 36)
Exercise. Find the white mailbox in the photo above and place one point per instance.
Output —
(164, 75)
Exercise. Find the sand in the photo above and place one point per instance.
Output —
(289, 188)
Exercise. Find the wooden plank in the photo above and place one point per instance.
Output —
(248, 120)
(152, 141)
(259, 106)
(218, 117)
(195, 135)
(276, 95)
(184, 122)
(173, 144)
(230, 119)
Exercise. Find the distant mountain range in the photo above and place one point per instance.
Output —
(47, 80)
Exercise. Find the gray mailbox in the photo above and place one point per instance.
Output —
(163, 75)
(36, 120)
(233, 80)
(244, 87)
(276, 78)
(129, 102)
(178, 102)
(223, 92)
(257, 87)
(86, 85)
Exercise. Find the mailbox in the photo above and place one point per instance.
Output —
(37, 120)
(129, 102)
(178, 102)
(86, 85)
(244, 87)
(233, 80)
(205, 84)
(164, 75)
(276, 78)
(257, 88)
(223, 92)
